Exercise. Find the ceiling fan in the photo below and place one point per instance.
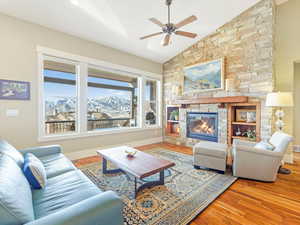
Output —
(171, 28)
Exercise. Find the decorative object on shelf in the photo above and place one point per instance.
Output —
(251, 116)
(229, 85)
(280, 99)
(251, 135)
(207, 76)
(174, 115)
(130, 153)
(14, 90)
(242, 115)
(238, 132)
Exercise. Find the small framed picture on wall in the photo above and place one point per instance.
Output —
(14, 90)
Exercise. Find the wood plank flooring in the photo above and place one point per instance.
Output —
(246, 201)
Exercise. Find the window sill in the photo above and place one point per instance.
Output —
(93, 133)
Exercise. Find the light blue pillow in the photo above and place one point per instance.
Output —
(9, 150)
(15, 193)
(34, 171)
(263, 145)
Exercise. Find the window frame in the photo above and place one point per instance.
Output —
(82, 65)
(138, 95)
(158, 103)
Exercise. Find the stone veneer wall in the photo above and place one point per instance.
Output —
(246, 43)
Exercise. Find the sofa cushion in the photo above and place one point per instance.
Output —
(56, 164)
(15, 194)
(263, 145)
(62, 191)
(12, 152)
(34, 171)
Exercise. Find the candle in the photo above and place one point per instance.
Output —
(230, 84)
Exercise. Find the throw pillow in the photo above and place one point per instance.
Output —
(9, 150)
(34, 171)
(263, 145)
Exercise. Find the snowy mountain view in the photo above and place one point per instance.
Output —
(63, 108)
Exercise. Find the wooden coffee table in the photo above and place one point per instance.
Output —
(140, 166)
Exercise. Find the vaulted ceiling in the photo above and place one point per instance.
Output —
(120, 23)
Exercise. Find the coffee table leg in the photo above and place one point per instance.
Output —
(106, 171)
(162, 177)
(135, 187)
(149, 184)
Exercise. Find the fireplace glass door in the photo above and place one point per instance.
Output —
(203, 126)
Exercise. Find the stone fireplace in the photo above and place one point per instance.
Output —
(202, 125)
(246, 44)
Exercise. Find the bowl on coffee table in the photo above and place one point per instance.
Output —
(130, 153)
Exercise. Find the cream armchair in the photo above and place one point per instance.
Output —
(258, 164)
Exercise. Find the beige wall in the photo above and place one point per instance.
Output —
(297, 103)
(18, 61)
(287, 51)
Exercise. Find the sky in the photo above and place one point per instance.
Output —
(53, 90)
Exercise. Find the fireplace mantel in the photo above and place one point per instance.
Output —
(211, 100)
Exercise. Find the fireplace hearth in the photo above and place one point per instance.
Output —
(202, 125)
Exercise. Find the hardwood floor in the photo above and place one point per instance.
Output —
(246, 201)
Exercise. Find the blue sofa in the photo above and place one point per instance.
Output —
(69, 197)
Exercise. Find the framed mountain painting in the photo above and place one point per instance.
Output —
(207, 76)
(14, 90)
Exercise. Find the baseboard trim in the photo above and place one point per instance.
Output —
(289, 158)
(296, 148)
(92, 152)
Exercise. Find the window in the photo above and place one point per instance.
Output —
(82, 97)
(151, 104)
(60, 94)
(112, 100)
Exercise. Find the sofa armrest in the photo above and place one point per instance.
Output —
(244, 142)
(43, 150)
(102, 209)
(244, 148)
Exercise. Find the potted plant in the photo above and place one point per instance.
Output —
(251, 135)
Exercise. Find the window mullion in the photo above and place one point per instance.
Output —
(142, 120)
(82, 97)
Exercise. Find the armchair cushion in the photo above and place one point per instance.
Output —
(9, 150)
(263, 145)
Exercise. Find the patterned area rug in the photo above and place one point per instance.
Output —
(186, 192)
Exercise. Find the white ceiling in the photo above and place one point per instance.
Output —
(120, 23)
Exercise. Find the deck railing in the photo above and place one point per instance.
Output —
(63, 126)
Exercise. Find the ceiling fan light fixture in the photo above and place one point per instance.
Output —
(170, 28)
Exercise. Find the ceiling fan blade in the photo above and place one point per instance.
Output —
(151, 35)
(186, 21)
(186, 34)
(157, 22)
(166, 40)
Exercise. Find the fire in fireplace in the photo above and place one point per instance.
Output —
(202, 125)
